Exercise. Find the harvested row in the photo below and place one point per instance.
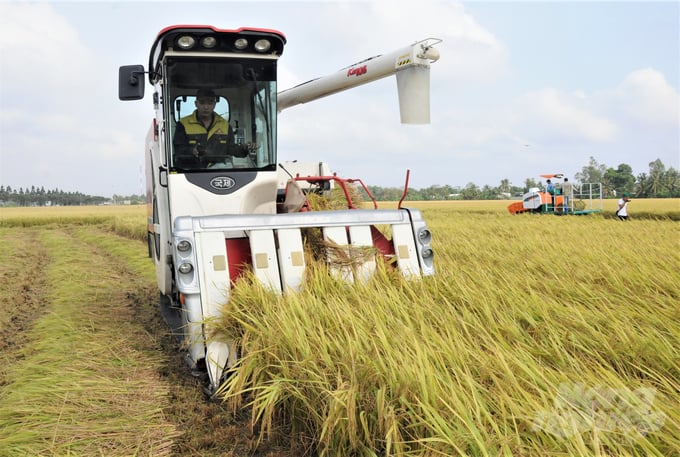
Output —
(88, 365)
(88, 381)
(23, 287)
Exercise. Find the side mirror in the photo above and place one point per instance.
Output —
(131, 82)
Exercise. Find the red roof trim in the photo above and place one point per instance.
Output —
(216, 30)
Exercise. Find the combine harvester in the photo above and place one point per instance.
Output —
(218, 210)
(583, 199)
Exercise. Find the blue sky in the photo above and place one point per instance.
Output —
(522, 88)
(580, 45)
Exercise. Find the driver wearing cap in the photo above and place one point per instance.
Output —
(204, 137)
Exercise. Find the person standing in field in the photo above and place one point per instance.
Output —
(567, 190)
(550, 188)
(622, 212)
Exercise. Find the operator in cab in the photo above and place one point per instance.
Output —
(204, 139)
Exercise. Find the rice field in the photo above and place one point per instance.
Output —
(538, 336)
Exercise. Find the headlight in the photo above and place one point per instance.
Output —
(427, 253)
(185, 268)
(183, 246)
(425, 236)
(208, 42)
(263, 45)
(186, 42)
(241, 43)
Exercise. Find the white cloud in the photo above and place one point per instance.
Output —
(468, 50)
(646, 96)
(42, 54)
(359, 130)
(59, 111)
(564, 115)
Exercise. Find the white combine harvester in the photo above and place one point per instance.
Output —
(217, 211)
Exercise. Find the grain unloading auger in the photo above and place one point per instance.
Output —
(213, 179)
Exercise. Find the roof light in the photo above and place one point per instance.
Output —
(263, 45)
(209, 42)
(241, 43)
(186, 42)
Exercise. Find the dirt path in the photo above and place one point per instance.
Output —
(89, 367)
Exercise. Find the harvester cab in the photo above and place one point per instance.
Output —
(218, 201)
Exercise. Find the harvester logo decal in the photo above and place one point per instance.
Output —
(357, 71)
(222, 182)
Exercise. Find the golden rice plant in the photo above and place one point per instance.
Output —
(538, 336)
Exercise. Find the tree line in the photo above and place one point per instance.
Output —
(38, 196)
(658, 182)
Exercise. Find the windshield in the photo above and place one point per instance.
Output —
(222, 114)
